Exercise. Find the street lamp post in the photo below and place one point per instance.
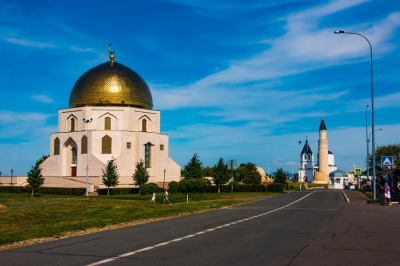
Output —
(165, 170)
(87, 121)
(369, 137)
(372, 105)
(366, 136)
(12, 172)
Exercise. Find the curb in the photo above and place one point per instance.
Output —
(345, 197)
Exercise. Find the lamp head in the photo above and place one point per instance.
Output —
(338, 31)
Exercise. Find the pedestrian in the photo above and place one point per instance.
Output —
(166, 197)
(387, 195)
(398, 189)
(153, 198)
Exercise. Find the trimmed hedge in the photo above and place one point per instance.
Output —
(194, 185)
(200, 185)
(45, 190)
(149, 188)
(173, 187)
(118, 191)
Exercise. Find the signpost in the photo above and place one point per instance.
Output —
(387, 161)
(232, 165)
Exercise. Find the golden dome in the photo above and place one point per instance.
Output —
(111, 84)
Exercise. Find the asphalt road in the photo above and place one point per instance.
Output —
(299, 228)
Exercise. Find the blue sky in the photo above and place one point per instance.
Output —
(241, 79)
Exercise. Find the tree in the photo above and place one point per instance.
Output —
(220, 173)
(386, 150)
(194, 168)
(248, 174)
(35, 178)
(207, 171)
(280, 176)
(141, 176)
(110, 175)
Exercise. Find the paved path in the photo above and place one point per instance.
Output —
(359, 234)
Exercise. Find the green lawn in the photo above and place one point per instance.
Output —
(23, 218)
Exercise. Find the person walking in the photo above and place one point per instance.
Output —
(387, 195)
(153, 198)
(166, 197)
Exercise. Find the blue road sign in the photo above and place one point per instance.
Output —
(387, 161)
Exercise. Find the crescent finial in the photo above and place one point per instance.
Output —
(111, 54)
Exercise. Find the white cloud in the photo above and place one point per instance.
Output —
(43, 98)
(28, 43)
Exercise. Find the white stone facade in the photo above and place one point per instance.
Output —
(112, 132)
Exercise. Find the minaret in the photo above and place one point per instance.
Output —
(322, 175)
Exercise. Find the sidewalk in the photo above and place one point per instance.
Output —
(355, 196)
(358, 234)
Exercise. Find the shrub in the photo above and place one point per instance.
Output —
(173, 187)
(276, 187)
(198, 185)
(149, 188)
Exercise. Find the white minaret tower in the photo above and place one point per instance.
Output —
(307, 163)
(322, 175)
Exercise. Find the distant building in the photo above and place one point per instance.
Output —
(326, 159)
(109, 117)
(307, 163)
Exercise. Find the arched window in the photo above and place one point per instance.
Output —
(72, 124)
(56, 146)
(147, 155)
(73, 154)
(84, 145)
(107, 123)
(144, 125)
(106, 145)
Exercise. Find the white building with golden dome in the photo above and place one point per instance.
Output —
(110, 116)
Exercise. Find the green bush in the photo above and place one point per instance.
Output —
(118, 191)
(149, 188)
(9, 189)
(194, 185)
(173, 187)
(276, 187)
(45, 190)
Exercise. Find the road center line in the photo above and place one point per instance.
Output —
(194, 234)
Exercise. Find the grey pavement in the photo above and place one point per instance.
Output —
(359, 234)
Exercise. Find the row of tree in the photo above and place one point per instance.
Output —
(110, 177)
(220, 173)
(246, 173)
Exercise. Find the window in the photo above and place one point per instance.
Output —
(144, 125)
(147, 155)
(161, 147)
(73, 154)
(84, 145)
(107, 123)
(72, 124)
(128, 145)
(57, 146)
(106, 145)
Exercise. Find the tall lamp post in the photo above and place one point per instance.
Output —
(12, 172)
(372, 105)
(165, 170)
(87, 121)
(366, 136)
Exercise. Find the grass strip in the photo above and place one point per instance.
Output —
(52, 216)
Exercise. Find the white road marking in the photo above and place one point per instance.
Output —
(195, 234)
